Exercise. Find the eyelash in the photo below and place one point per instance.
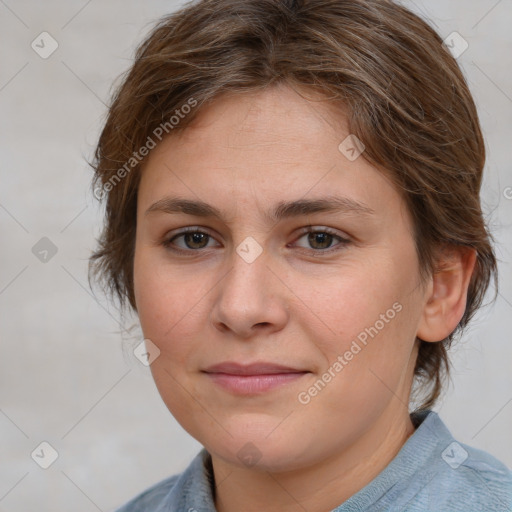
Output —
(343, 242)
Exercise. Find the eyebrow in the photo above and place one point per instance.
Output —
(284, 209)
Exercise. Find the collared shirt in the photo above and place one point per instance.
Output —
(431, 472)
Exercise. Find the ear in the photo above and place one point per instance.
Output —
(446, 294)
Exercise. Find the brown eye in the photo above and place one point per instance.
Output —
(192, 240)
(195, 240)
(323, 240)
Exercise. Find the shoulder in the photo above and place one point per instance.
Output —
(472, 479)
(190, 490)
(459, 477)
(154, 498)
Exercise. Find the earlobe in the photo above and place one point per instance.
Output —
(445, 300)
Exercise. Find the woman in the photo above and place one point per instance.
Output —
(292, 209)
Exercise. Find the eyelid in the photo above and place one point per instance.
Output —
(189, 229)
(317, 228)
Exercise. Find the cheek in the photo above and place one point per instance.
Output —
(170, 307)
(367, 313)
(157, 304)
(353, 298)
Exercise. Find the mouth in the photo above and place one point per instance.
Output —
(253, 378)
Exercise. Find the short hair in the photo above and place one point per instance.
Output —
(405, 96)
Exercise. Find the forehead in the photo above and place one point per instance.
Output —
(278, 118)
(267, 146)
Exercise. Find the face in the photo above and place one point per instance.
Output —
(300, 263)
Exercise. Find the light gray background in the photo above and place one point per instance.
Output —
(64, 377)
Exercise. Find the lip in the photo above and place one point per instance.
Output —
(253, 378)
(259, 368)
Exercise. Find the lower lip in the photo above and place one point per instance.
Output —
(253, 384)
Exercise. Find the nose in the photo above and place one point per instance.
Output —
(251, 299)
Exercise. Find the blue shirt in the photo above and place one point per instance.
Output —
(431, 472)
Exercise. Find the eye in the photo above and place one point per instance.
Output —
(193, 238)
(321, 239)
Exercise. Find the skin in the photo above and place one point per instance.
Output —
(292, 305)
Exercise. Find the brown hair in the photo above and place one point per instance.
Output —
(407, 101)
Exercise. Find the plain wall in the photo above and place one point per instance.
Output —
(64, 376)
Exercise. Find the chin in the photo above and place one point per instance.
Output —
(259, 451)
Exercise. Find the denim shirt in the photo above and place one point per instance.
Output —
(431, 472)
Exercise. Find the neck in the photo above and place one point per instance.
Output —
(320, 486)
